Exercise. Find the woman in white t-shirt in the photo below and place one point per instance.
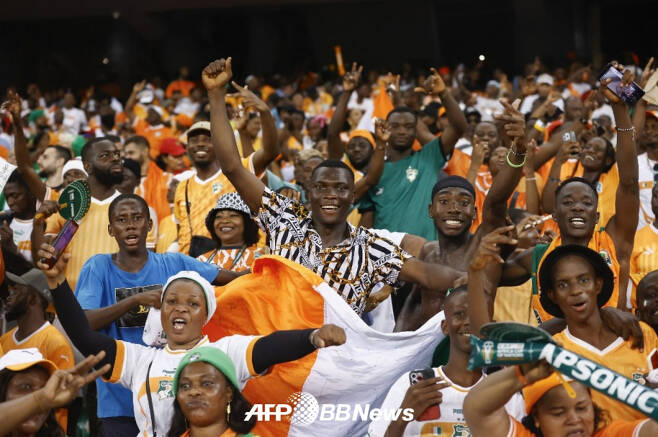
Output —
(187, 303)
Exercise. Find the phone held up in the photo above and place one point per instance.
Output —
(416, 376)
(630, 94)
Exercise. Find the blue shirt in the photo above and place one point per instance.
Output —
(102, 283)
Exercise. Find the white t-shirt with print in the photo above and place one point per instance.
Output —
(450, 424)
(131, 366)
(22, 232)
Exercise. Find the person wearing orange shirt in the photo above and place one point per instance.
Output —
(551, 410)
(576, 204)
(182, 84)
(647, 302)
(153, 129)
(644, 258)
(154, 182)
(197, 195)
(28, 299)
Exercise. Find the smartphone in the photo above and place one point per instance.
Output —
(416, 376)
(63, 239)
(630, 94)
(568, 136)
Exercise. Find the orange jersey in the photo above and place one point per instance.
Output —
(153, 188)
(91, 238)
(644, 258)
(167, 233)
(620, 357)
(202, 197)
(154, 135)
(51, 343)
(618, 428)
(184, 86)
(236, 259)
(601, 242)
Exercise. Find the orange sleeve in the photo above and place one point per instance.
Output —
(518, 430)
(620, 428)
(117, 367)
(54, 224)
(250, 357)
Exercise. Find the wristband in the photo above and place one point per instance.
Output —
(530, 179)
(511, 164)
(312, 337)
(521, 376)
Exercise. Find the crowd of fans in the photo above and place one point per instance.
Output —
(528, 198)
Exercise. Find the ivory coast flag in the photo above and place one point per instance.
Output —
(281, 294)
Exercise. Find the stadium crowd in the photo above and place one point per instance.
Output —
(442, 196)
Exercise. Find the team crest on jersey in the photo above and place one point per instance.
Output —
(216, 188)
(165, 389)
(639, 378)
(379, 191)
(460, 431)
(606, 257)
(412, 173)
(599, 187)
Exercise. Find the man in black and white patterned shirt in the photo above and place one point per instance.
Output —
(350, 259)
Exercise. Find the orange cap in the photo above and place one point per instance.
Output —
(365, 134)
(534, 392)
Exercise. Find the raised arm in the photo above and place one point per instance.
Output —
(23, 159)
(215, 78)
(132, 99)
(435, 86)
(335, 144)
(480, 150)
(494, 209)
(377, 161)
(484, 406)
(623, 224)
(640, 113)
(268, 153)
(480, 310)
(532, 197)
(74, 321)
(432, 276)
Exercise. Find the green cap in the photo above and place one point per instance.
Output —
(212, 356)
(35, 114)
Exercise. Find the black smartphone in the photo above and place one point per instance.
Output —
(416, 376)
(630, 94)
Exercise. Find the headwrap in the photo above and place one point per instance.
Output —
(364, 134)
(208, 290)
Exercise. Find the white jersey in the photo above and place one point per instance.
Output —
(132, 362)
(450, 424)
(646, 173)
(22, 236)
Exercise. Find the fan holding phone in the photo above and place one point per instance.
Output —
(436, 395)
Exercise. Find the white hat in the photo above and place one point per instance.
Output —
(545, 78)
(146, 97)
(208, 290)
(74, 164)
(21, 359)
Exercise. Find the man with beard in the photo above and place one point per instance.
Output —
(102, 162)
(399, 200)
(51, 162)
(198, 194)
(28, 299)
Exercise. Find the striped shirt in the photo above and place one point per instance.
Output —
(352, 268)
(91, 238)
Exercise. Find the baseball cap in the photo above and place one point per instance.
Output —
(33, 278)
(213, 356)
(199, 125)
(171, 146)
(493, 83)
(601, 270)
(21, 359)
(545, 78)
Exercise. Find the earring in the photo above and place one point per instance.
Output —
(228, 411)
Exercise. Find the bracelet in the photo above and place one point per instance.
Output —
(511, 164)
(312, 337)
(628, 129)
(521, 376)
(530, 179)
(556, 180)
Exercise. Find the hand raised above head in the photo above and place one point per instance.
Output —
(217, 74)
